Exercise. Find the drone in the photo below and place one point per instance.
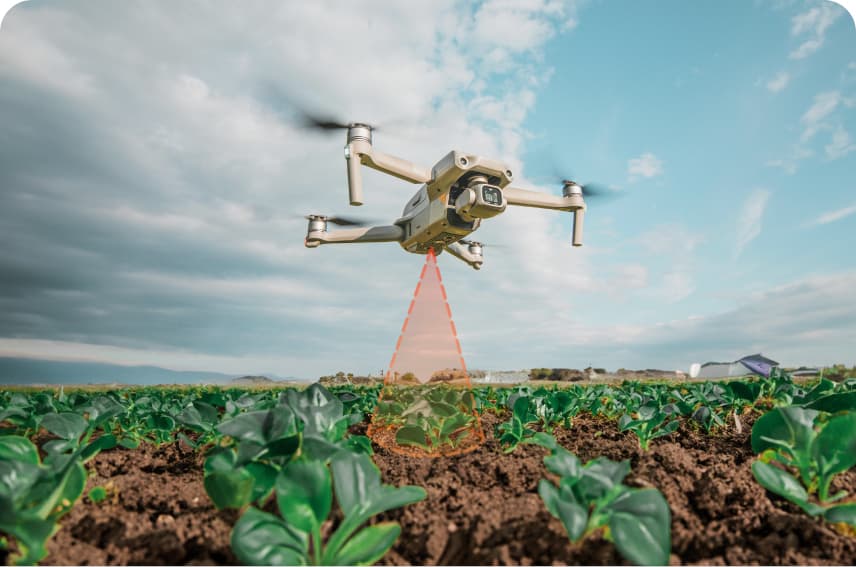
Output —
(456, 195)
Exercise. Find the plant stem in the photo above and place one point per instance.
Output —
(316, 544)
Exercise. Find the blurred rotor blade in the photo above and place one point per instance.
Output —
(339, 220)
(349, 221)
(599, 191)
(292, 110)
(320, 122)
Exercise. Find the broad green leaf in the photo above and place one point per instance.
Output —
(573, 516)
(65, 425)
(260, 427)
(640, 526)
(31, 534)
(259, 538)
(550, 495)
(520, 410)
(318, 448)
(845, 513)
(667, 429)
(834, 403)
(359, 444)
(368, 545)
(284, 447)
(264, 479)
(599, 476)
(65, 493)
(834, 448)
(442, 409)
(103, 443)
(544, 440)
(103, 408)
(229, 489)
(304, 493)
(411, 435)
(221, 460)
(783, 484)
(16, 478)
(319, 410)
(563, 463)
(788, 428)
(17, 448)
(356, 478)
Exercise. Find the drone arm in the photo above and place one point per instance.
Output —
(571, 203)
(461, 252)
(390, 233)
(397, 167)
(525, 198)
(359, 151)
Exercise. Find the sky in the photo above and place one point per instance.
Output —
(153, 175)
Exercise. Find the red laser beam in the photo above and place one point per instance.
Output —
(428, 344)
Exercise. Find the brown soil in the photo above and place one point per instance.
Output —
(482, 507)
(157, 513)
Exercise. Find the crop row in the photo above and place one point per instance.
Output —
(293, 447)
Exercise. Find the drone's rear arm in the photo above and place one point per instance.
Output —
(573, 203)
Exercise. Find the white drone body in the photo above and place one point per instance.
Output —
(456, 194)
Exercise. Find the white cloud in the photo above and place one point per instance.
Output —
(832, 216)
(171, 202)
(814, 118)
(813, 23)
(824, 115)
(810, 321)
(673, 245)
(840, 145)
(646, 165)
(749, 219)
(779, 82)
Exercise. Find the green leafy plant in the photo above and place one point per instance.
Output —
(98, 494)
(34, 495)
(261, 443)
(304, 496)
(441, 419)
(649, 422)
(591, 497)
(810, 452)
(516, 430)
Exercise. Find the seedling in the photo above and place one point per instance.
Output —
(649, 422)
(304, 492)
(516, 430)
(98, 494)
(591, 497)
(814, 449)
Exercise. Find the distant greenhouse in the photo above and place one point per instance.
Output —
(752, 364)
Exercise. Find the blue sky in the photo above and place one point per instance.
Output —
(152, 188)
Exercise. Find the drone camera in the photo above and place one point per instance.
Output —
(480, 201)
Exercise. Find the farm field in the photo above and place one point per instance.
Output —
(752, 471)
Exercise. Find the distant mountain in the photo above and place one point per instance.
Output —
(24, 371)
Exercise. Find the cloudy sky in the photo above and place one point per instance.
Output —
(153, 175)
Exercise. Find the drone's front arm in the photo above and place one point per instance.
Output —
(572, 203)
(389, 233)
(359, 151)
(461, 252)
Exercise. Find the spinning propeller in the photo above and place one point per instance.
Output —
(340, 220)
